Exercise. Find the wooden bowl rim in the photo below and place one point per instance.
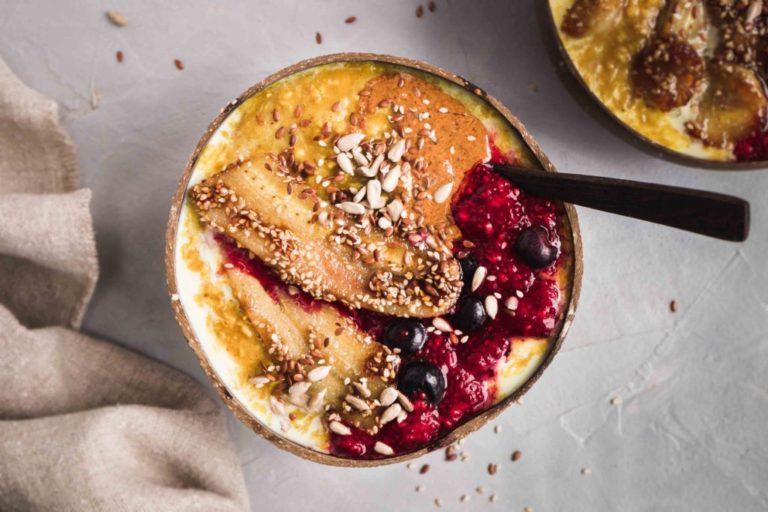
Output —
(240, 411)
(665, 152)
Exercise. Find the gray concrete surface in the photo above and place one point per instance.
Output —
(690, 432)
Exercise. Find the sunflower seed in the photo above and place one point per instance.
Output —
(491, 306)
(442, 193)
(362, 389)
(388, 396)
(397, 151)
(382, 448)
(395, 208)
(316, 402)
(349, 141)
(339, 428)
(359, 157)
(407, 405)
(441, 324)
(298, 393)
(346, 164)
(357, 403)
(479, 277)
(389, 183)
(376, 165)
(352, 208)
(319, 373)
(259, 381)
(511, 303)
(374, 192)
(391, 413)
(359, 196)
(117, 18)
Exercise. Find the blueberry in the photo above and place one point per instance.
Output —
(468, 267)
(406, 334)
(534, 247)
(422, 376)
(470, 315)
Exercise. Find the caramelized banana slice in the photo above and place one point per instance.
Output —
(316, 342)
(730, 107)
(250, 204)
(666, 72)
(586, 16)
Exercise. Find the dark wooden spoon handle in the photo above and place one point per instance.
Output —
(707, 213)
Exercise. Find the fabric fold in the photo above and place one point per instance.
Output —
(84, 424)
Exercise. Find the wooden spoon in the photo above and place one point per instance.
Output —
(707, 213)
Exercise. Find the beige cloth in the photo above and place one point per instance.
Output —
(84, 425)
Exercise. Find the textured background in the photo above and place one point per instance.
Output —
(690, 431)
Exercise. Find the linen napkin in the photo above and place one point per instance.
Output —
(84, 424)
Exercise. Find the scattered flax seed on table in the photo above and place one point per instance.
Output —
(351, 19)
(516, 455)
(424, 469)
(119, 56)
(319, 38)
(492, 469)
(420, 11)
(673, 306)
(179, 65)
(432, 6)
